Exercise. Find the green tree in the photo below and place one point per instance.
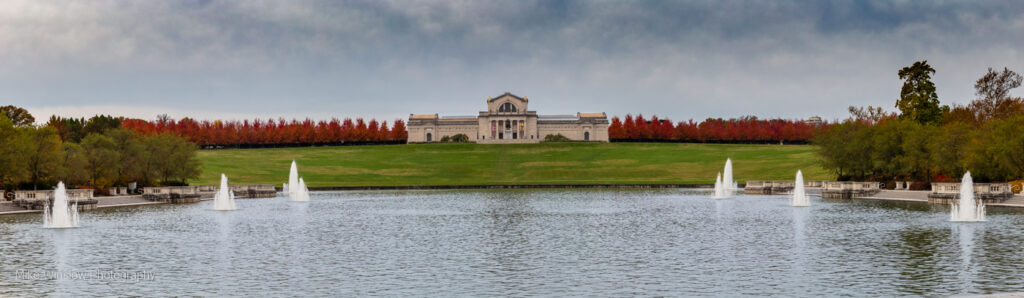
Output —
(886, 149)
(127, 149)
(918, 100)
(151, 159)
(949, 148)
(917, 158)
(73, 164)
(100, 157)
(834, 151)
(183, 158)
(12, 144)
(1005, 143)
(983, 157)
(101, 123)
(70, 129)
(170, 158)
(18, 116)
(42, 153)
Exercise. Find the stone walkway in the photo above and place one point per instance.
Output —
(1017, 201)
(9, 207)
(900, 195)
(102, 202)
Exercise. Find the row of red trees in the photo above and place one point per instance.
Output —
(743, 130)
(260, 133)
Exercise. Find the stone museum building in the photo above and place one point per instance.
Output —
(507, 120)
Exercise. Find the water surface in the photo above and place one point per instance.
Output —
(519, 243)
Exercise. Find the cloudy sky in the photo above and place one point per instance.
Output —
(386, 59)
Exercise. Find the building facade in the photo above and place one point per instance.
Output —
(507, 120)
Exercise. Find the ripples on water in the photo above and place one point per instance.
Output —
(520, 243)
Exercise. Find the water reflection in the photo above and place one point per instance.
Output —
(63, 248)
(224, 248)
(507, 244)
(800, 252)
(296, 246)
(967, 272)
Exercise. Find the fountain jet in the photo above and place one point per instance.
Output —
(224, 199)
(61, 214)
(720, 192)
(967, 209)
(730, 185)
(296, 187)
(799, 198)
(302, 193)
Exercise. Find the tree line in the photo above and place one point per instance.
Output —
(270, 133)
(95, 153)
(743, 130)
(929, 142)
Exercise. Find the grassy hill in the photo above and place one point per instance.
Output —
(546, 163)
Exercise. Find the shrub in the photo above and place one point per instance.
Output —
(555, 138)
(460, 138)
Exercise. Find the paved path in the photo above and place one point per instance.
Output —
(900, 195)
(1017, 201)
(102, 202)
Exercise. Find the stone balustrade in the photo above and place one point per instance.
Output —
(849, 189)
(172, 194)
(254, 190)
(945, 192)
(767, 187)
(38, 199)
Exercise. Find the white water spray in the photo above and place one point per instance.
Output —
(967, 209)
(730, 185)
(224, 199)
(799, 198)
(296, 187)
(720, 192)
(61, 214)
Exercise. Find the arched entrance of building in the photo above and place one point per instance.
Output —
(586, 136)
(428, 137)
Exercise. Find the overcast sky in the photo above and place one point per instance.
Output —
(387, 59)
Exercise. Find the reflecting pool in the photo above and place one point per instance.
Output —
(516, 243)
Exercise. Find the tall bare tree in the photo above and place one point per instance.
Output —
(993, 90)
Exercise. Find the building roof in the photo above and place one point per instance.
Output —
(490, 99)
(422, 116)
(556, 117)
(458, 117)
(592, 115)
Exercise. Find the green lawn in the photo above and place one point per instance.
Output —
(546, 163)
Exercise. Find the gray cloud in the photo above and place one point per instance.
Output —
(389, 58)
